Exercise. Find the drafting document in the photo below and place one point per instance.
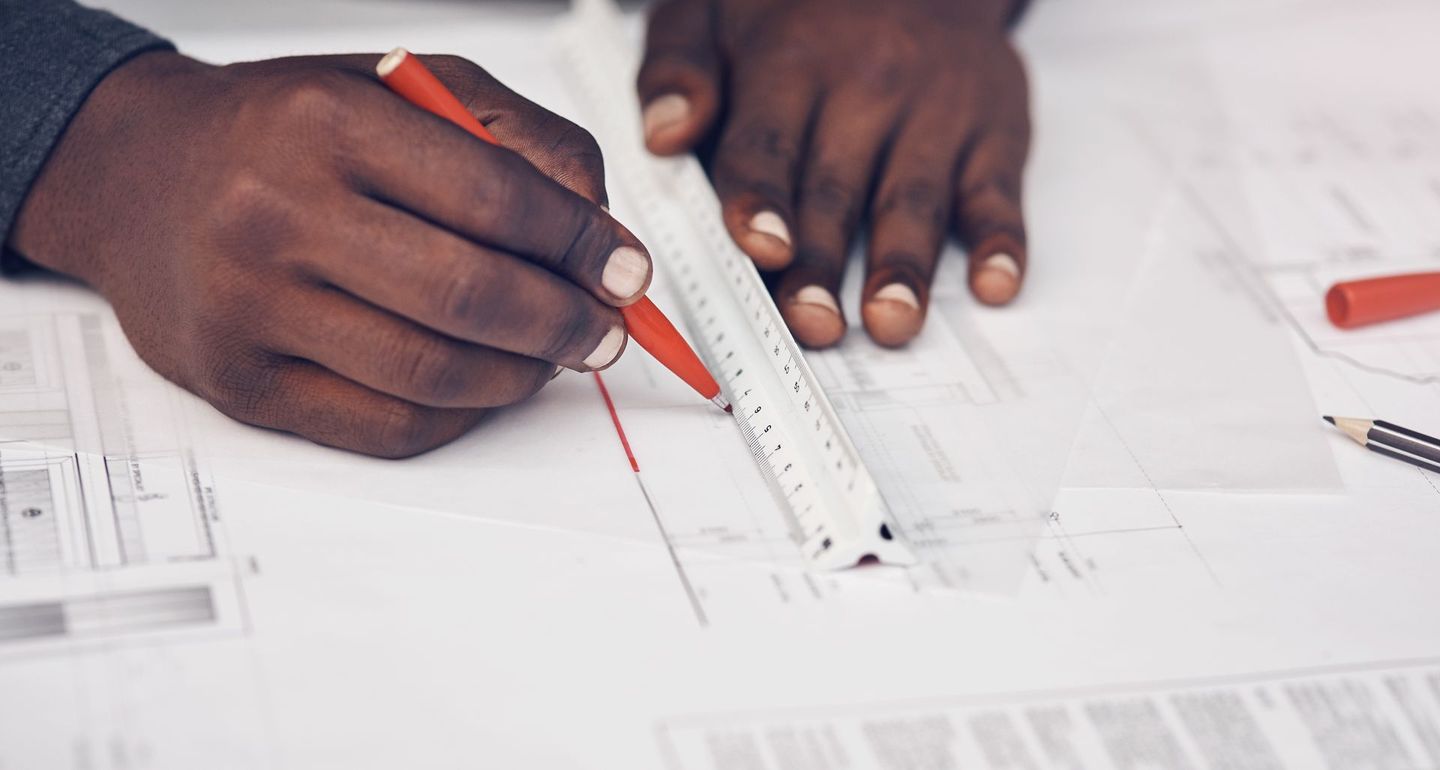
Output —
(1281, 168)
(1260, 150)
(280, 605)
(967, 431)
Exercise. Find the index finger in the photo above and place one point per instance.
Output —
(401, 155)
(561, 150)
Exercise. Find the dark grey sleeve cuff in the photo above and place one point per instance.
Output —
(52, 54)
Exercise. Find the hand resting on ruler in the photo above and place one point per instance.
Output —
(812, 105)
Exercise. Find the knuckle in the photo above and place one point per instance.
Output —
(506, 191)
(242, 191)
(1012, 67)
(987, 209)
(883, 78)
(589, 248)
(475, 86)
(432, 372)
(662, 67)
(250, 211)
(403, 429)
(980, 219)
(991, 191)
(239, 381)
(1006, 148)
(570, 155)
(764, 144)
(320, 95)
(908, 265)
(517, 382)
(450, 64)
(466, 299)
(826, 194)
(887, 68)
(582, 154)
(916, 198)
(571, 328)
(664, 13)
(540, 376)
(566, 138)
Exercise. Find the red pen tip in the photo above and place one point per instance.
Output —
(729, 409)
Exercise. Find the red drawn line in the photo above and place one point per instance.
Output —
(615, 418)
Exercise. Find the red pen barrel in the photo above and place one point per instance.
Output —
(412, 80)
(1373, 300)
(654, 332)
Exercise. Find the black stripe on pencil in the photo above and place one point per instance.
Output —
(1418, 436)
(1391, 440)
(1418, 462)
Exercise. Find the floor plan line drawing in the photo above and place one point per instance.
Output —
(1276, 305)
(695, 604)
(107, 518)
(1159, 497)
(1261, 275)
(891, 399)
(1319, 169)
(1143, 616)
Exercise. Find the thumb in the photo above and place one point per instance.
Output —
(679, 80)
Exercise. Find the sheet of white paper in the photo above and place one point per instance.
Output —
(465, 608)
(974, 505)
(1176, 332)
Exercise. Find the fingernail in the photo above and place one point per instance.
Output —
(817, 295)
(769, 223)
(998, 279)
(626, 273)
(1004, 263)
(665, 112)
(608, 350)
(893, 316)
(558, 370)
(814, 317)
(898, 292)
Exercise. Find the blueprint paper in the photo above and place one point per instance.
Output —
(425, 613)
(929, 422)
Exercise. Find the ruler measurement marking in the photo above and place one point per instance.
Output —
(683, 218)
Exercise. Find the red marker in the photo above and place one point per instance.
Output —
(1358, 303)
(408, 77)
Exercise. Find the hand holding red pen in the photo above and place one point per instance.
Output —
(408, 77)
(305, 251)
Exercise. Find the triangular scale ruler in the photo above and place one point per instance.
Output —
(837, 516)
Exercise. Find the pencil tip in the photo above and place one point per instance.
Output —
(1356, 429)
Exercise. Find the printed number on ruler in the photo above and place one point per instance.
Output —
(835, 510)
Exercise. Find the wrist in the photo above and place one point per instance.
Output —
(92, 158)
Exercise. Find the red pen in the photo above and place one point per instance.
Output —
(412, 80)
(1372, 300)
